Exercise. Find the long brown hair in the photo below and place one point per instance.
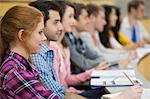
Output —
(15, 19)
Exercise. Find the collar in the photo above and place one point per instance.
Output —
(45, 50)
(18, 57)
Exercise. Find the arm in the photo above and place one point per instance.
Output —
(80, 60)
(25, 85)
(73, 79)
(46, 75)
(114, 43)
(124, 40)
(144, 32)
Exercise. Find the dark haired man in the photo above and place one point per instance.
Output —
(131, 26)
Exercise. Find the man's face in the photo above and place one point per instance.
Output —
(140, 12)
(53, 28)
(82, 21)
(100, 21)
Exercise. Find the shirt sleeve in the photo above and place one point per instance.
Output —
(114, 43)
(124, 40)
(25, 85)
(80, 60)
(143, 31)
(73, 79)
(46, 75)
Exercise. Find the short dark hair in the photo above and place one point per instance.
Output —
(63, 4)
(45, 6)
(78, 8)
(134, 4)
(93, 9)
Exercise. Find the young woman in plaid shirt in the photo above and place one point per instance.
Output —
(21, 34)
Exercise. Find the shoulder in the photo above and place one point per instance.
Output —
(10, 64)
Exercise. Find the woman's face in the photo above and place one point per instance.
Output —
(113, 18)
(34, 40)
(68, 20)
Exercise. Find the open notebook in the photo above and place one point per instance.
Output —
(145, 94)
(113, 78)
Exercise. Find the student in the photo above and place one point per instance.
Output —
(62, 54)
(86, 58)
(62, 58)
(131, 26)
(91, 38)
(44, 60)
(111, 37)
(21, 34)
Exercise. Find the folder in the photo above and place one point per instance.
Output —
(113, 78)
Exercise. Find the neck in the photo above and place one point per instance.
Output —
(132, 20)
(77, 33)
(21, 50)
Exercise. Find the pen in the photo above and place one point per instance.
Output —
(95, 77)
(128, 78)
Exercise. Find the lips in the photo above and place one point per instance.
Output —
(58, 33)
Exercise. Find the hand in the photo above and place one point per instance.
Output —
(123, 63)
(90, 71)
(134, 92)
(103, 66)
(75, 91)
(140, 44)
(132, 54)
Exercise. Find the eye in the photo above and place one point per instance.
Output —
(55, 22)
(41, 32)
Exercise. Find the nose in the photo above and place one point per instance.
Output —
(105, 22)
(87, 20)
(43, 37)
(74, 21)
(61, 28)
(116, 18)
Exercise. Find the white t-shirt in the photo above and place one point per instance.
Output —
(126, 29)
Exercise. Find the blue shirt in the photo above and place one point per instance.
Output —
(44, 62)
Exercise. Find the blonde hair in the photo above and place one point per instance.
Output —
(15, 19)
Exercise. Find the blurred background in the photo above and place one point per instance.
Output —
(6, 4)
(122, 4)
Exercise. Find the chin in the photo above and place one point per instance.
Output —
(35, 51)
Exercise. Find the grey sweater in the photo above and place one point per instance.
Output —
(83, 59)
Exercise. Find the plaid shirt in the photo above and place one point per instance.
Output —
(19, 79)
(44, 62)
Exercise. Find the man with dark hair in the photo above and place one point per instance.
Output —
(135, 5)
(131, 26)
(44, 59)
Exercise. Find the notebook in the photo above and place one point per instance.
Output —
(113, 78)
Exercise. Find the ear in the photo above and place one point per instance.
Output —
(20, 34)
(92, 17)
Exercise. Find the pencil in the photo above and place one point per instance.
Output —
(128, 78)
